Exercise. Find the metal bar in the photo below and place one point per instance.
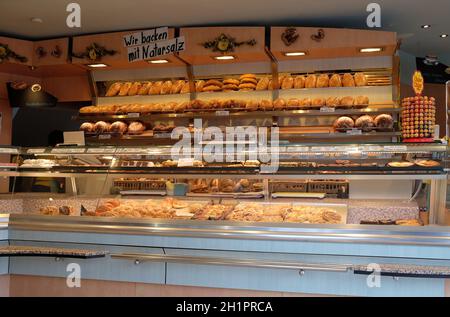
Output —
(255, 263)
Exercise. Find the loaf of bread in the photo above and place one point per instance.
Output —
(343, 123)
(384, 122)
(266, 105)
(288, 83)
(118, 127)
(311, 81)
(199, 85)
(101, 127)
(347, 101)
(332, 102)
(166, 87)
(360, 79)
(322, 81)
(335, 81)
(136, 127)
(177, 86)
(113, 90)
(347, 80)
(134, 88)
(145, 88)
(279, 104)
(299, 82)
(87, 127)
(362, 100)
(186, 88)
(125, 88)
(263, 84)
(365, 123)
(155, 89)
(293, 103)
(318, 102)
(305, 102)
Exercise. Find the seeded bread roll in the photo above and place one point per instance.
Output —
(335, 81)
(343, 123)
(322, 81)
(347, 80)
(125, 88)
(311, 81)
(113, 90)
(299, 82)
(288, 83)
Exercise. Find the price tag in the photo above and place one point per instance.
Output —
(35, 151)
(186, 162)
(396, 148)
(222, 113)
(104, 136)
(67, 151)
(327, 109)
(373, 148)
(8, 151)
(162, 135)
(354, 132)
(134, 115)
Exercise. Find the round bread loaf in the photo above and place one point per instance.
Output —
(101, 126)
(87, 127)
(118, 127)
(365, 123)
(136, 127)
(384, 122)
(343, 123)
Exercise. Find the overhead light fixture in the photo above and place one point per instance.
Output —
(99, 65)
(224, 58)
(295, 54)
(443, 35)
(36, 20)
(370, 49)
(158, 61)
(426, 26)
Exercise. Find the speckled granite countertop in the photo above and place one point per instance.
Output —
(54, 252)
(406, 270)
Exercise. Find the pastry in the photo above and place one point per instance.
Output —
(400, 164)
(299, 82)
(213, 82)
(134, 88)
(231, 81)
(249, 86)
(365, 123)
(318, 102)
(384, 122)
(335, 81)
(263, 84)
(186, 88)
(360, 79)
(155, 89)
(136, 127)
(118, 127)
(230, 87)
(181, 106)
(362, 101)
(166, 87)
(408, 222)
(211, 88)
(347, 101)
(101, 126)
(87, 127)
(199, 85)
(266, 105)
(247, 76)
(145, 88)
(113, 90)
(214, 104)
(288, 83)
(332, 102)
(124, 89)
(343, 123)
(198, 104)
(279, 104)
(249, 81)
(252, 105)
(293, 103)
(347, 80)
(427, 163)
(177, 86)
(311, 81)
(322, 81)
(305, 102)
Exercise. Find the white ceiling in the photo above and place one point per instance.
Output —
(402, 16)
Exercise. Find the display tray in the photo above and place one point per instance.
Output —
(341, 209)
(143, 192)
(250, 195)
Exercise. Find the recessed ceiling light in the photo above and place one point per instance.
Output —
(158, 61)
(295, 54)
(370, 49)
(443, 35)
(99, 65)
(224, 58)
(36, 20)
(426, 26)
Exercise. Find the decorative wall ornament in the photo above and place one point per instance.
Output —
(6, 53)
(94, 52)
(56, 52)
(289, 36)
(225, 44)
(319, 36)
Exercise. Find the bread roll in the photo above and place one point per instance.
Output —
(263, 84)
(311, 81)
(166, 87)
(384, 122)
(177, 86)
(155, 89)
(280, 80)
(144, 90)
(293, 103)
(299, 82)
(266, 105)
(125, 88)
(252, 105)
(343, 123)
(335, 81)
(362, 100)
(288, 83)
(181, 106)
(306, 102)
(87, 127)
(365, 123)
(101, 127)
(253, 81)
(347, 80)
(318, 102)
(279, 104)
(322, 81)
(230, 87)
(134, 88)
(347, 101)
(113, 90)
(214, 104)
(360, 79)
(186, 88)
(213, 82)
(332, 102)
(231, 81)
(247, 86)
(199, 85)
(247, 76)
(136, 127)
(118, 127)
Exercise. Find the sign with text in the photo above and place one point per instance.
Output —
(146, 37)
(155, 49)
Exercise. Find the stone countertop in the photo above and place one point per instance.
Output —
(53, 252)
(405, 270)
